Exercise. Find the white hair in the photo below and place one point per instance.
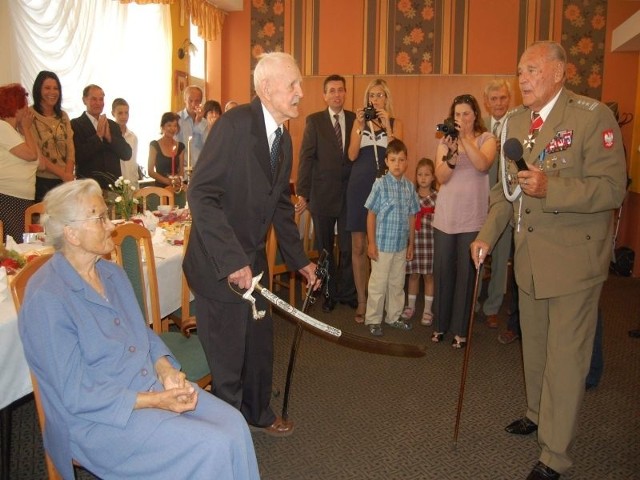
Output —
(64, 204)
(266, 68)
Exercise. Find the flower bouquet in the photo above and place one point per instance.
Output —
(124, 201)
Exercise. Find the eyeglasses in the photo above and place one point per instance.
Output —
(463, 99)
(377, 95)
(103, 219)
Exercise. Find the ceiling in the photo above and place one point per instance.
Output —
(227, 5)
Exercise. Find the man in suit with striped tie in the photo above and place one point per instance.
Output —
(323, 176)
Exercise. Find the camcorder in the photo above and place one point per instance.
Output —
(448, 128)
(370, 113)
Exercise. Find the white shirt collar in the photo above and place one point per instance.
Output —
(544, 111)
(94, 120)
(270, 124)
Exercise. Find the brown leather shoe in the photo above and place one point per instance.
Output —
(279, 428)
(492, 321)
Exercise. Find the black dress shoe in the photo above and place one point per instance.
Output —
(353, 303)
(522, 426)
(542, 472)
(328, 305)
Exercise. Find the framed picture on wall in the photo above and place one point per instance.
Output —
(181, 81)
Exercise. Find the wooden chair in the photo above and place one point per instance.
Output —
(134, 253)
(18, 287)
(31, 224)
(180, 198)
(185, 316)
(278, 268)
(154, 196)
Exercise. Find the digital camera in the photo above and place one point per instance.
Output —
(370, 113)
(448, 128)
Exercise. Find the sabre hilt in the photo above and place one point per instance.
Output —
(322, 274)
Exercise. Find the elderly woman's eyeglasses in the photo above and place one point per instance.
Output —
(103, 219)
(377, 95)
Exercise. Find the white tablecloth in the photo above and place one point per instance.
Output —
(14, 372)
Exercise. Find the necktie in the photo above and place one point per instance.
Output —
(275, 150)
(336, 127)
(496, 127)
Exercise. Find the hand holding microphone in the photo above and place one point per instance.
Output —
(532, 181)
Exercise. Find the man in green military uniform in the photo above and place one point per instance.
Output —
(562, 208)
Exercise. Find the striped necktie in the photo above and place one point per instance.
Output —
(336, 127)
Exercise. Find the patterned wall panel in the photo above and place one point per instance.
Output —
(411, 37)
(267, 28)
(583, 37)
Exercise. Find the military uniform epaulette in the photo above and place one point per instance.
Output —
(515, 111)
(584, 103)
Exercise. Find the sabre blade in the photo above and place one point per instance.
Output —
(338, 336)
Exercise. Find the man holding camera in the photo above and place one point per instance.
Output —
(563, 212)
(322, 181)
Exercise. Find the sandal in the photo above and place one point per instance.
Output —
(459, 342)
(407, 313)
(359, 318)
(427, 319)
(437, 337)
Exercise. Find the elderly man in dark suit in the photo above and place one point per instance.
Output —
(322, 181)
(562, 208)
(240, 187)
(98, 141)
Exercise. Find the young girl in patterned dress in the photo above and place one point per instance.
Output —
(422, 263)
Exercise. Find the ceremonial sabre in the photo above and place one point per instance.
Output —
(327, 331)
(322, 273)
(467, 350)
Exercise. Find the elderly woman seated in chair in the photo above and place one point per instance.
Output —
(114, 397)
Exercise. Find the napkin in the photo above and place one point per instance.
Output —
(4, 284)
(11, 243)
(159, 236)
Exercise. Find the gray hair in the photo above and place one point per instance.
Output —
(265, 69)
(497, 84)
(63, 204)
(192, 87)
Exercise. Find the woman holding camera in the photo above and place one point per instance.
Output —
(463, 159)
(373, 129)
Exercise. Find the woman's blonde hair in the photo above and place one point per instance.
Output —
(379, 82)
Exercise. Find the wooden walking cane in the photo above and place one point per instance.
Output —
(322, 273)
(467, 351)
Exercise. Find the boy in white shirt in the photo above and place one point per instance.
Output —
(120, 113)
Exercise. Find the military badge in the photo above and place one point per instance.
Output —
(607, 138)
(561, 141)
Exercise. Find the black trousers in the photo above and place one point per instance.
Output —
(341, 284)
(239, 352)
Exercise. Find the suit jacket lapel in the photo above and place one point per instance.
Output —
(259, 133)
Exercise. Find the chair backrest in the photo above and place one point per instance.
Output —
(179, 198)
(187, 320)
(35, 209)
(18, 287)
(154, 196)
(134, 253)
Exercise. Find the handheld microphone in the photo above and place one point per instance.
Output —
(513, 151)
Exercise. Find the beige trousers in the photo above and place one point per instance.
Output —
(557, 343)
(386, 287)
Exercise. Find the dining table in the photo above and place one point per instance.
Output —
(15, 381)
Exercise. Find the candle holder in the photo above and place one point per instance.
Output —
(176, 183)
(188, 171)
